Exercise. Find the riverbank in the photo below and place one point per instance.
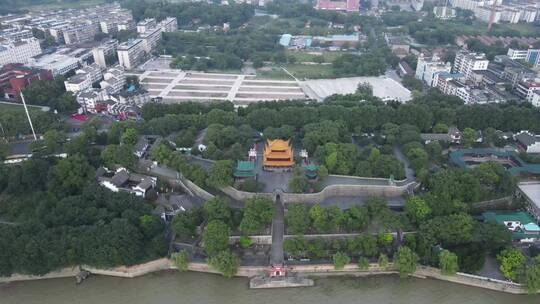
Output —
(319, 270)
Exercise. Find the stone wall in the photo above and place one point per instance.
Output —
(68, 272)
(198, 191)
(327, 192)
(251, 271)
(267, 239)
(132, 271)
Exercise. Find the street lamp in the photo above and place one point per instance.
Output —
(28, 115)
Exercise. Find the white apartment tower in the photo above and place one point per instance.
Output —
(19, 52)
(168, 25)
(467, 62)
(106, 49)
(428, 69)
(146, 24)
(131, 53)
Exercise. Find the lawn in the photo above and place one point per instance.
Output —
(7, 108)
(273, 72)
(302, 71)
(304, 56)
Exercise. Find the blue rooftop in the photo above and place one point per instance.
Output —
(285, 39)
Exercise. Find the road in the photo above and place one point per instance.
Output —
(278, 230)
(409, 172)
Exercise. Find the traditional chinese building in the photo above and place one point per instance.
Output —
(244, 169)
(278, 154)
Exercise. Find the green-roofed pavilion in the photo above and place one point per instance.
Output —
(244, 169)
(311, 171)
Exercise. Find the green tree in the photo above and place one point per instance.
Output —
(181, 261)
(448, 262)
(365, 245)
(245, 241)
(70, 175)
(440, 128)
(118, 155)
(418, 158)
(225, 262)
(129, 137)
(325, 219)
(405, 261)
(297, 218)
(162, 154)
(363, 263)
(258, 213)
(298, 184)
(512, 263)
(417, 209)
(221, 174)
(184, 225)
(532, 276)
(4, 150)
(340, 260)
(383, 260)
(468, 137)
(218, 208)
(215, 237)
(53, 140)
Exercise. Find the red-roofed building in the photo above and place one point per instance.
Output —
(15, 77)
(350, 6)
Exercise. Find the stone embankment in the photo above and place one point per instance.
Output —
(300, 271)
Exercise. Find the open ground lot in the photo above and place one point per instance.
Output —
(383, 87)
(176, 86)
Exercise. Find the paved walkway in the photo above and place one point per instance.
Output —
(278, 230)
(409, 172)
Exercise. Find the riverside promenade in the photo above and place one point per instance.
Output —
(311, 270)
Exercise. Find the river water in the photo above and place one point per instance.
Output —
(190, 288)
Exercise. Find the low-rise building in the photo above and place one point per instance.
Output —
(530, 191)
(123, 180)
(349, 6)
(91, 100)
(528, 142)
(58, 64)
(83, 78)
(15, 77)
(526, 88)
(79, 33)
(444, 12)
(535, 100)
(137, 98)
(398, 44)
(114, 80)
(18, 51)
(404, 69)
(523, 226)
(428, 69)
(453, 136)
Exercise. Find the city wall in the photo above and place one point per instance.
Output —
(327, 192)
